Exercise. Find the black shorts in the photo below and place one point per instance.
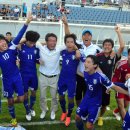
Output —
(80, 88)
(105, 97)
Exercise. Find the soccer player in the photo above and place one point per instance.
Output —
(90, 105)
(87, 48)
(9, 37)
(12, 81)
(123, 68)
(107, 63)
(67, 78)
(29, 56)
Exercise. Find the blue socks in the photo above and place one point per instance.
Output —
(32, 101)
(70, 109)
(62, 104)
(11, 111)
(26, 106)
(80, 125)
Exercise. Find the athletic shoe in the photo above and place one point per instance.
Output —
(67, 121)
(117, 116)
(108, 108)
(28, 117)
(53, 115)
(33, 113)
(63, 116)
(14, 122)
(100, 121)
(43, 114)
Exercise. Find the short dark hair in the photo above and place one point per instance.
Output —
(50, 35)
(9, 33)
(109, 40)
(74, 37)
(32, 36)
(2, 37)
(128, 50)
(94, 59)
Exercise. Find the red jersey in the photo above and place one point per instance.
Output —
(122, 69)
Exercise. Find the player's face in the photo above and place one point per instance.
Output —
(107, 47)
(51, 43)
(3, 45)
(70, 43)
(87, 38)
(89, 66)
(30, 44)
(8, 37)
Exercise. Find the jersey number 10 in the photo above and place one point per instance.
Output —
(5, 56)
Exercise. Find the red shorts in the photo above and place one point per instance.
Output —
(122, 96)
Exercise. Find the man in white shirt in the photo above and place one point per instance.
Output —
(49, 72)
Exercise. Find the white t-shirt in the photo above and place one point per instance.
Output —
(50, 58)
(85, 51)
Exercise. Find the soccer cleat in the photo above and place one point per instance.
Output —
(67, 121)
(117, 116)
(14, 122)
(43, 114)
(63, 116)
(108, 108)
(28, 117)
(33, 113)
(100, 121)
(53, 115)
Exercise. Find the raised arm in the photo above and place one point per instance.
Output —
(121, 42)
(22, 31)
(66, 26)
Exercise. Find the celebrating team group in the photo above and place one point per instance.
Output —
(87, 74)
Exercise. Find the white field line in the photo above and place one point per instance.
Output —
(49, 122)
(5, 100)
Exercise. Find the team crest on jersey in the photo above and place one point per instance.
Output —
(94, 81)
(23, 51)
(109, 62)
(73, 57)
(35, 51)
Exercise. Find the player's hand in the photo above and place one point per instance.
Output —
(29, 18)
(64, 20)
(41, 62)
(117, 29)
(77, 55)
(127, 76)
(108, 91)
(112, 54)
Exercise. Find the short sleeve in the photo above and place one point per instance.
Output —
(106, 82)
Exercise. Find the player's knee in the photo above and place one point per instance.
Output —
(21, 99)
(120, 105)
(89, 126)
(10, 102)
(33, 93)
(77, 118)
(26, 96)
(71, 100)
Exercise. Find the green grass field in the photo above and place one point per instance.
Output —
(20, 114)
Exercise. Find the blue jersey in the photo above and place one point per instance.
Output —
(8, 57)
(94, 91)
(28, 58)
(69, 65)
